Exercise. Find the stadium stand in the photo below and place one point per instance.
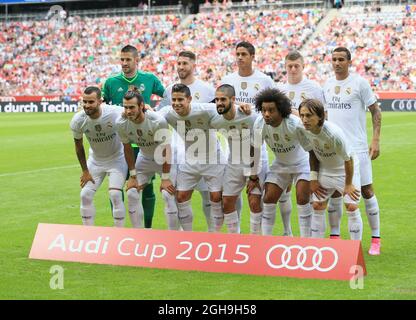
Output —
(40, 57)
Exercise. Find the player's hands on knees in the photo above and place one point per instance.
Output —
(132, 183)
(352, 192)
(85, 177)
(253, 184)
(374, 149)
(318, 190)
(246, 108)
(168, 186)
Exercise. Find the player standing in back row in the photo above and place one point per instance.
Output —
(347, 97)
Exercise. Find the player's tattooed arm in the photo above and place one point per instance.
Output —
(376, 119)
(80, 151)
(129, 156)
(349, 187)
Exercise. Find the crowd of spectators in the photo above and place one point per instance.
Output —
(40, 57)
(382, 44)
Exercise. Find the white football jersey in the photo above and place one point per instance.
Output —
(148, 135)
(331, 148)
(101, 133)
(238, 132)
(346, 102)
(286, 142)
(246, 88)
(194, 129)
(201, 92)
(306, 89)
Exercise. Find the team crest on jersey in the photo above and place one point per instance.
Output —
(121, 89)
(197, 95)
(337, 89)
(291, 95)
(257, 87)
(244, 85)
(142, 88)
(98, 128)
(150, 133)
(109, 124)
(303, 95)
(139, 132)
(244, 125)
(316, 142)
(287, 138)
(326, 146)
(275, 136)
(131, 87)
(187, 123)
(200, 121)
(348, 90)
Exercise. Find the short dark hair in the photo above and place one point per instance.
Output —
(92, 89)
(187, 54)
(294, 55)
(227, 89)
(134, 93)
(131, 49)
(343, 49)
(316, 107)
(179, 87)
(281, 101)
(250, 48)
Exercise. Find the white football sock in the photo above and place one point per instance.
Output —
(268, 219)
(185, 215)
(305, 212)
(373, 214)
(285, 205)
(87, 207)
(318, 224)
(119, 211)
(171, 210)
(335, 214)
(217, 215)
(355, 224)
(255, 222)
(231, 221)
(135, 207)
(206, 206)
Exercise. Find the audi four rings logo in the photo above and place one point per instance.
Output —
(403, 105)
(317, 258)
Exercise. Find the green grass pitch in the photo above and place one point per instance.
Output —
(39, 182)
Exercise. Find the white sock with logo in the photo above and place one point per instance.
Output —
(255, 222)
(171, 210)
(119, 211)
(305, 212)
(285, 205)
(335, 214)
(355, 224)
(206, 207)
(373, 214)
(217, 215)
(185, 215)
(318, 225)
(135, 207)
(268, 219)
(231, 221)
(87, 207)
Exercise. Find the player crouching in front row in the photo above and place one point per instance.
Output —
(338, 168)
(150, 132)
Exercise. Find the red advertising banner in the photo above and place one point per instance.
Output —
(201, 251)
